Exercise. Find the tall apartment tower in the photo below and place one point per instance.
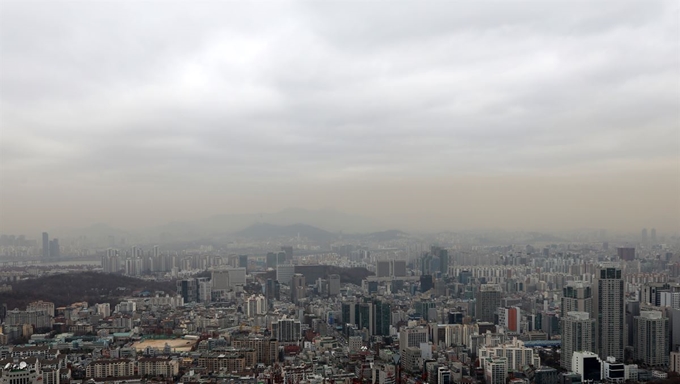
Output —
(651, 338)
(45, 245)
(610, 310)
(488, 301)
(578, 334)
(577, 296)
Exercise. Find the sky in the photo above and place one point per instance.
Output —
(425, 115)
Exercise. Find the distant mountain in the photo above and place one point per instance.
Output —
(390, 235)
(265, 231)
(327, 219)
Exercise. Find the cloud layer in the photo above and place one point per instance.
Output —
(160, 111)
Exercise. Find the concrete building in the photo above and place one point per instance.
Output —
(577, 296)
(578, 334)
(675, 362)
(496, 370)
(651, 338)
(609, 307)
(588, 365)
(284, 273)
(488, 300)
(412, 337)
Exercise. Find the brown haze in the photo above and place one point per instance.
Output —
(435, 116)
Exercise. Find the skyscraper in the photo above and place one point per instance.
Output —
(54, 248)
(488, 301)
(45, 245)
(651, 338)
(610, 308)
(578, 334)
(626, 253)
(297, 288)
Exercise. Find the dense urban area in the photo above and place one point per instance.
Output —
(313, 307)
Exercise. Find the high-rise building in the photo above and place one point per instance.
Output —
(272, 290)
(651, 338)
(45, 245)
(243, 262)
(510, 318)
(289, 253)
(578, 334)
(412, 337)
(189, 290)
(653, 235)
(333, 285)
(610, 309)
(298, 288)
(488, 301)
(286, 330)
(626, 253)
(383, 318)
(284, 273)
(272, 260)
(54, 248)
(643, 235)
(577, 296)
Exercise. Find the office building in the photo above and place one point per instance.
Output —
(412, 337)
(272, 290)
(243, 262)
(45, 245)
(588, 365)
(272, 260)
(383, 318)
(55, 251)
(651, 338)
(298, 288)
(287, 330)
(488, 300)
(284, 273)
(609, 306)
(626, 253)
(333, 285)
(288, 250)
(189, 290)
(578, 334)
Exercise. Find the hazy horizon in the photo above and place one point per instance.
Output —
(437, 116)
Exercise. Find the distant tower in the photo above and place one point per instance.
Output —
(610, 309)
(54, 248)
(643, 235)
(45, 245)
(653, 235)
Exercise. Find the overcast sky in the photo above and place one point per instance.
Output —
(431, 115)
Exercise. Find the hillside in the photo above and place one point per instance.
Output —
(93, 287)
(264, 231)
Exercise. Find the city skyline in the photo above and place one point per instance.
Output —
(434, 117)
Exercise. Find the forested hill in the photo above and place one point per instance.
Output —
(93, 287)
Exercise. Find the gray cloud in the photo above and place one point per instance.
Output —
(222, 100)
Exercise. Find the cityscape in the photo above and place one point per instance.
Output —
(386, 307)
(339, 192)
